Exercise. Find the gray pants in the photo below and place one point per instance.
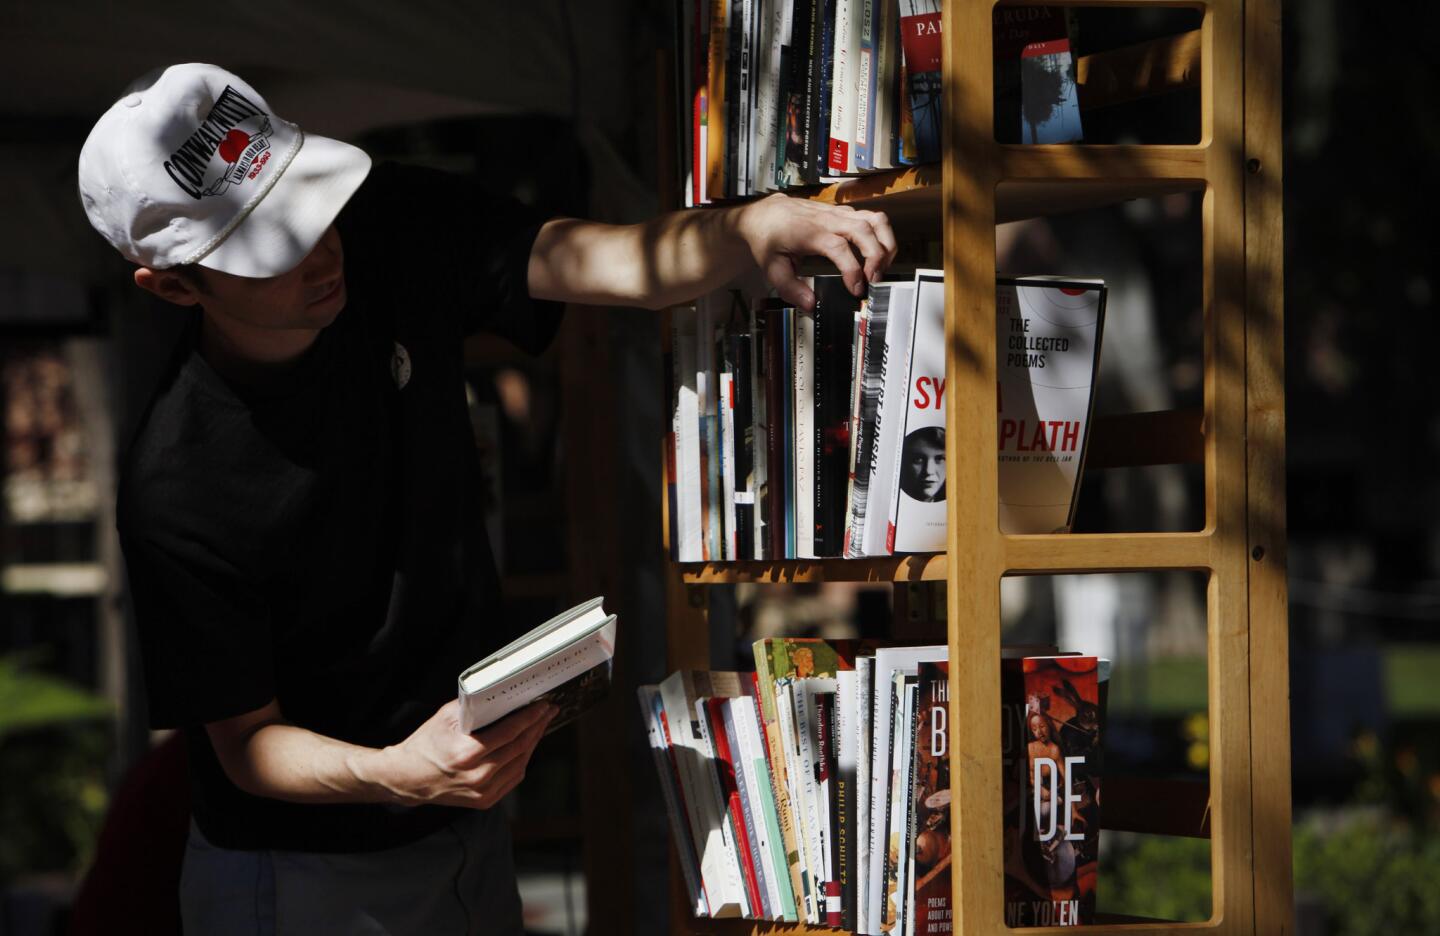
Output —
(459, 880)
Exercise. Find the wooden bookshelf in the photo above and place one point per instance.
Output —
(1237, 435)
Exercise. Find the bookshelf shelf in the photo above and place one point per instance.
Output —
(1237, 435)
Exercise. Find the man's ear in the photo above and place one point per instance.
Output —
(168, 285)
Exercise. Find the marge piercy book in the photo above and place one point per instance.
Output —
(565, 661)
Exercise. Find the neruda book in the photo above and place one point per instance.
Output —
(565, 661)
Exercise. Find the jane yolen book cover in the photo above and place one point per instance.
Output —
(1052, 818)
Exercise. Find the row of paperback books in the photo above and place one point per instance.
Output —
(817, 788)
(807, 434)
(780, 93)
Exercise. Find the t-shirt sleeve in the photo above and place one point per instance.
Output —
(205, 633)
(452, 250)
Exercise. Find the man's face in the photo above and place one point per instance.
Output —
(308, 297)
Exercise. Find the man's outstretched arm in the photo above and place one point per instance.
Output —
(675, 257)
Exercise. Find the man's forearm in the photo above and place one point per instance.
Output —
(286, 762)
(657, 263)
(678, 256)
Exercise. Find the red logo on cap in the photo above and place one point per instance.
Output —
(233, 145)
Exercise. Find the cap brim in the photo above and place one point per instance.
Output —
(287, 223)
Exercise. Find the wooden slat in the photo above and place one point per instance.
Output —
(1265, 432)
(1110, 552)
(1138, 71)
(1108, 163)
(1170, 437)
(1157, 807)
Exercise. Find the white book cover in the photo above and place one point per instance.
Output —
(727, 824)
(865, 743)
(719, 870)
(685, 424)
(804, 441)
(706, 392)
(653, 710)
(790, 733)
(730, 548)
(889, 419)
(774, 14)
(918, 505)
(1048, 332)
(869, 383)
(889, 661)
(844, 86)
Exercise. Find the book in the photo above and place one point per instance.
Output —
(794, 82)
(803, 439)
(885, 95)
(732, 833)
(658, 736)
(846, 746)
(921, 45)
(565, 661)
(746, 714)
(732, 792)
(834, 318)
(769, 123)
(860, 864)
(769, 333)
(891, 663)
(719, 181)
(931, 895)
(823, 67)
(687, 538)
(719, 862)
(869, 355)
(827, 784)
(845, 86)
(1050, 98)
(918, 505)
(890, 408)
(1051, 744)
(1048, 335)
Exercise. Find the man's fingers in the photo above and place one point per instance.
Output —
(862, 235)
(884, 233)
(780, 272)
(837, 249)
(511, 726)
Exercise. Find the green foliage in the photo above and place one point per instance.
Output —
(1370, 872)
(54, 739)
(1160, 877)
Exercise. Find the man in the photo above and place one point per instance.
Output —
(300, 508)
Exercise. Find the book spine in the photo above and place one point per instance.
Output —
(887, 40)
(895, 811)
(870, 387)
(775, 466)
(844, 746)
(726, 400)
(815, 11)
(858, 339)
(746, 493)
(834, 324)
(825, 85)
(828, 780)
(664, 757)
(788, 704)
(777, 866)
(865, 85)
(907, 889)
(732, 779)
(803, 440)
(780, 778)
(767, 93)
(737, 111)
(718, 180)
(750, 797)
(889, 420)
(734, 862)
(787, 441)
(864, 710)
(841, 153)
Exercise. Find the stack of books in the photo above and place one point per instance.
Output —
(801, 434)
(817, 788)
(773, 94)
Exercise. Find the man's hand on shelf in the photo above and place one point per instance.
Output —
(780, 231)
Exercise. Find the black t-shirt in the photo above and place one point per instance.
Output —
(322, 543)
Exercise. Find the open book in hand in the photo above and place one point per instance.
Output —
(565, 661)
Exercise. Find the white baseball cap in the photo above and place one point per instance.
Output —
(192, 167)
